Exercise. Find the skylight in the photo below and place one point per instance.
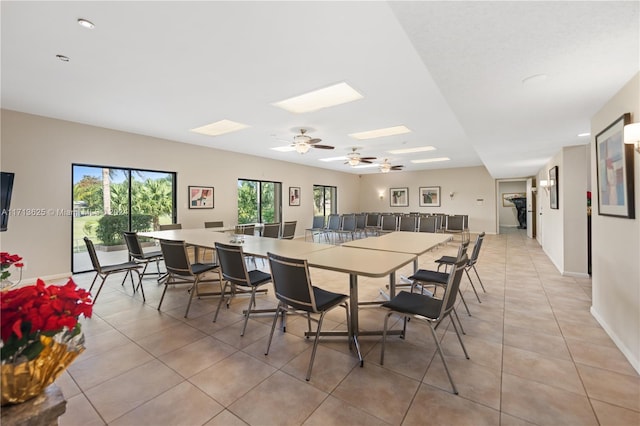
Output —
(219, 128)
(412, 150)
(378, 133)
(337, 94)
(431, 160)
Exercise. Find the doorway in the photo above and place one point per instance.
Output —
(515, 204)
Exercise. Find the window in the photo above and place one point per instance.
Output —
(325, 200)
(108, 201)
(259, 201)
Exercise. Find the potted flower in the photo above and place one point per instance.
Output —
(40, 334)
(6, 262)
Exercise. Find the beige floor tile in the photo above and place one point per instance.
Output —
(284, 347)
(279, 400)
(600, 356)
(91, 371)
(403, 357)
(79, 412)
(436, 407)
(183, 404)
(225, 418)
(231, 334)
(380, 392)
(335, 412)
(169, 339)
(509, 420)
(550, 371)
(329, 368)
(231, 378)
(481, 351)
(551, 345)
(542, 404)
(612, 415)
(68, 385)
(195, 357)
(608, 386)
(122, 394)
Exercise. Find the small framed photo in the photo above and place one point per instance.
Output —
(553, 187)
(614, 162)
(200, 197)
(399, 197)
(294, 195)
(429, 196)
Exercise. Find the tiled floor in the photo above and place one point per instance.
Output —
(537, 357)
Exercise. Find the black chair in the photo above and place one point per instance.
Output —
(361, 224)
(170, 226)
(429, 309)
(388, 223)
(471, 264)
(408, 223)
(455, 225)
(271, 230)
(214, 224)
(333, 226)
(289, 230)
(317, 228)
(428, 224)
(372, 224)
(424, 277)
(234, 272)
(181, 271)
(348, 227)
(245, 229)
(144, 258)
(296, 294)
(106, 270)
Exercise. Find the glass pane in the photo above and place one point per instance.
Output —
(100, 212)
(247, 201)
(318, 201)
(151, 200)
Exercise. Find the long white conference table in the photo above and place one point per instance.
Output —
(371, 257)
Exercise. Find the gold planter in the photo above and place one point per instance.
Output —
(26, 380)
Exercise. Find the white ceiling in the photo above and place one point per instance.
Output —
(450, 71)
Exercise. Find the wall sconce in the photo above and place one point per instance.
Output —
(546, 184)
(451, 194)
(632, 135)
(381, 194)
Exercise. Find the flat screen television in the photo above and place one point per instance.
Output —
(6, 187)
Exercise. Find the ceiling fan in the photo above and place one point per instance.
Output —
(385, 167)
(303, 143)
(354, 158)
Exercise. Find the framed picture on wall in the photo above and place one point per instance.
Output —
(429, 196)
(200, 197)
(294, 195)
(553, 187)
(399, 197)
(614, 162)
(507, 196)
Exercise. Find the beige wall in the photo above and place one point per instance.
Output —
(616, 243)
(41, 150)
(469, 185)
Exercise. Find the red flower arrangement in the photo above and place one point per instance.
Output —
(29, 312)
(6, 260)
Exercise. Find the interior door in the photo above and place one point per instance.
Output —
(531, 209)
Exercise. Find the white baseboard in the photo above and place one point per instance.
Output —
(631, 357)
(575, 274)
(46, 279)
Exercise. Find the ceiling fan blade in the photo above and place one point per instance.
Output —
(365, 161)
(367, 158)
(314, 140)
(396, 167)
(323, 146)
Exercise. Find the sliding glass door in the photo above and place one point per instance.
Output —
(325, 200)
(108, 201)
(259, 201)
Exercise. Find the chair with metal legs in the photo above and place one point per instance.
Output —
(297, 295)
(473, 260)
(182, 271)
(143, 258)
(103, 271)
(235, 273)
(430, 310)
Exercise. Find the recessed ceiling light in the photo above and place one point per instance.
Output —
(378, 133)
(584, 135)
(323, 98)
(86, 23)
(219, 128)
(342, 158)
(412, 150)
(431, 160)
(63, 58)
(287, 148)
